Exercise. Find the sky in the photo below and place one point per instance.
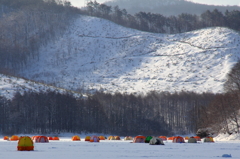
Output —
(80, 3)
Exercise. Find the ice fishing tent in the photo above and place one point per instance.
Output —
(197, 138)
(178, 139)
(139, 139)
(192, 140)
(208, 139)
(111, 138)
(50, 138)
(148, 138)
(87, 138)
(14, 138)
(164, 138)
(41, 139)
(128, 138)
(101, 138)
(5, 138)
(76, 138)
(55, 138)
(25, 143)
(117, 137)
(186, 138)
(94, 139)
(170, 138)
(156, 141)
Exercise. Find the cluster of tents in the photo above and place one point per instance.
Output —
(175, 139)
(193, 139)
(25, 143)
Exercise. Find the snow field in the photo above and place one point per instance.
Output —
(67, 149)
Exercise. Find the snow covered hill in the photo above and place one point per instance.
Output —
(10, 85)
(98, 54)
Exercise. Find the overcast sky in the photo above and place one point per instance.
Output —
(80, 3)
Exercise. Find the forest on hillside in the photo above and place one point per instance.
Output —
(167, 7)
(28, 24)
(157, 113)
(157, 23)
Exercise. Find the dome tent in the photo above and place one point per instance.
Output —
(171, 138)
(101, 138)
(208, 139)
(76, 138)
(41, 139)
(148, 138)
(5, 138)
(25, 143)
(139, 139)
(55, 138)
(128, 138)
(87, 138)
(111, 138)
(117, 137)
(156, 141)
(164, 138)
(192, 140)
(197, 138)
(14, 138)
(94, 139)
(178, 139)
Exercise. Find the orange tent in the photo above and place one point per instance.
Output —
(197, 138)
(55, 138)
(178, 139)
(87, 138)
(14, 138)
(171, 138)
(117, 138)
(164, 138)
(94, 139)
(5, 138)
(41, 139)
(139, 139)
(76, 138)
(101, 138)
(50, 138)
(25, 143)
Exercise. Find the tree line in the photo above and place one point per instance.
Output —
(153, 114)
(28, 24)
(157, 23)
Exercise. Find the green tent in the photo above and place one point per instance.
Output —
(148, 138)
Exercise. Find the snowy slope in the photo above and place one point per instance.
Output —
(10, 85)
(98, 54)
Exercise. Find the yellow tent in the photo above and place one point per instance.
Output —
(111, 138)
(87, 138)
(25, 143)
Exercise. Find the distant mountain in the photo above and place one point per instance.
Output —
(96, 54)
(167, 7)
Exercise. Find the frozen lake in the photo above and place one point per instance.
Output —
(67, 149)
